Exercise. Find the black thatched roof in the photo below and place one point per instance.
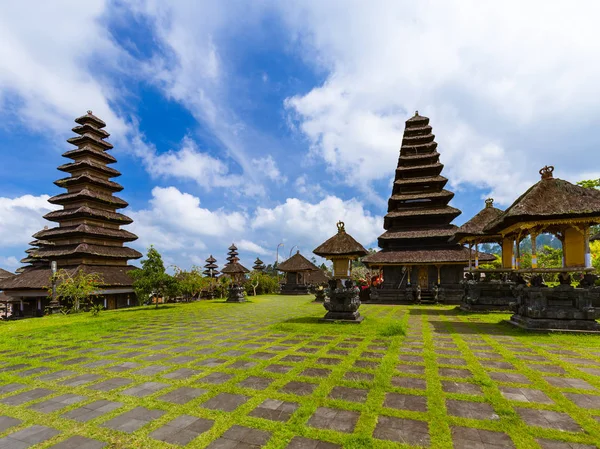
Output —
(476, 225)
(234, 268)
(341, 244)
(297, 263)
(39, 278)
(550, 198)
(446, 255)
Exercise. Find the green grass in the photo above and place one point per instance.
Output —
(287, 326)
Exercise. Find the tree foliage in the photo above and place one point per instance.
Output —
(152, 279)
(590, 183)
(261, 284)
(76, 291)
(190, 284)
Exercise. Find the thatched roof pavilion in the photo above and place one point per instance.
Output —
(553, 206)
(341, 244)
(300, 274)
(296, 264)
(235, 270)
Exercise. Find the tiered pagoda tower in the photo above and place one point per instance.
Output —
(258, 265)
(89, 235)
(211, 267)
(415, 247)
(232, 254)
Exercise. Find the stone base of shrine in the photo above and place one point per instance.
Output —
(449, 294)
(554, 325)
(294, 289)
(487, 296)
(353, 317)
(236, 294)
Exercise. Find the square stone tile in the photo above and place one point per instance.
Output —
(308, 443)
(401, 430)
(133, 419)
(316, 372)
(181, 373)
(182, 395)
(145, 389)
(182, 359)
(74, 361)
(92, 411)
(334, 419)
(525, 395)
(182, 430)
(27, 396)
(365, 364)
(409, 382)
(451, 361)
(216, 378)
(261, 355)
(349, 394)
(79, 442)
(226, 402)
(553, 369)
(509, 377)
(495, 364)
(211, 362)
(243, 365)
(358, 376)
(151, 370)
(553, 444)
(298, 388)
(110, 384)
(411, 369)
(275, 410)
(469, 438)
(471, 410)
(33, 371)
(240, 437)
(6, 422)
(400, 401)
(56, 375)
(548, 419)
(568, 382)
(11, 388)
(455, 372)
(27, 437)
(156, 357)
(411, 358)
(584, 400)
(278, 369)
(126, 366)
(450, 386)
(83, 379)
(56, 403)
(256, 382)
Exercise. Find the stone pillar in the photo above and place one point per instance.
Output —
(470, 256)
(128, 301)
(105, 303)
(514, 262)
(21, 305)
(533, 250)
(439, 277)
(518, 253)
(476, 255)
(586, 247)
(408, 268)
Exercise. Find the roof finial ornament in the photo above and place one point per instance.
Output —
(546, 172)
(89, 112)
(341, 227)
(416, 113)
(489, 202)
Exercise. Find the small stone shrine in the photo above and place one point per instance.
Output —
(236, 271)
(343, 301)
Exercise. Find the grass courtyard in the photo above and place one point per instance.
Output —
(268, 374)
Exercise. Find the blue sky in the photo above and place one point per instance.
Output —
(266, 122)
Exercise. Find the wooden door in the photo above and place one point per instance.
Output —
(423, 278)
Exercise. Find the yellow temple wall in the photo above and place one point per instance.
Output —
(573, 248)
(507, 253)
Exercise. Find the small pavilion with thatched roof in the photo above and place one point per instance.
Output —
(298, 270)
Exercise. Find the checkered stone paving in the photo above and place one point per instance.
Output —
(267, 373)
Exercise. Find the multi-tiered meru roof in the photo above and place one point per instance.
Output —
(418, 223)
(89, 234)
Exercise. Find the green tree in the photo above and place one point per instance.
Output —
(152, 279)
(76, 290)
(590, 183)
(191, 283)
(261, 284)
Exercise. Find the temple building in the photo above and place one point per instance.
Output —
(89, 235)
(300, 275)
(258, 265)
(417, 259)
(232, 254)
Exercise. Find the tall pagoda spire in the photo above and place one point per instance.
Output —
(89, 227)
(232, 254)
(258, 265)
(211, 267)
(418, 210)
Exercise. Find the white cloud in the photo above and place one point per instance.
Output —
(21, 217)
(507, 85)
(267, 166)
(10, 263)
(247, 245)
